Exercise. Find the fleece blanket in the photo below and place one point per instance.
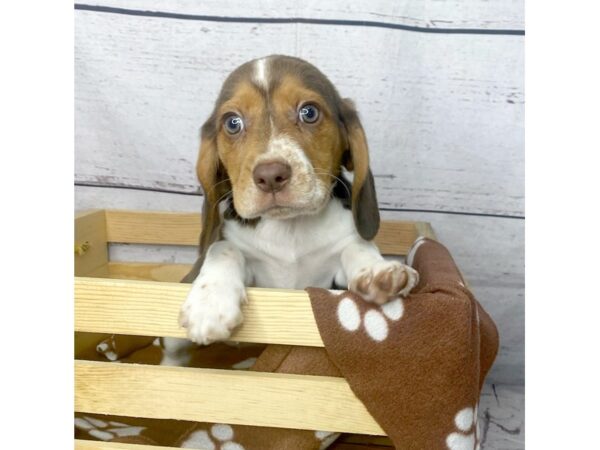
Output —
(417, 364)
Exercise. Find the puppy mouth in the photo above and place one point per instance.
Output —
(304, 194)
(277, 208)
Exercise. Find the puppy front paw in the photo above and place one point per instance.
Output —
(212, 310)
(384, 281)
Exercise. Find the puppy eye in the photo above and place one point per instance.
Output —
(234, 124)
(309, 114)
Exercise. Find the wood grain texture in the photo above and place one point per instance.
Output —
(425, 13)
(81, 444)
(153, 227)
(501, 418)
(90, 229)
(488, 250)
(148, 308)
(143, 227)
(443, 114)
(99, 445)
(221, 396)
(172, 273)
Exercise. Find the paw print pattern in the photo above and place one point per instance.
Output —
(467, 438)
(220, 437)
(326, 437)
(374, 320)
(105, 431)
(107, 348)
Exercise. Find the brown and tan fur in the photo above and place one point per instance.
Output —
(267, 94)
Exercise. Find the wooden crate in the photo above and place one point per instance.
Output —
(135, 298)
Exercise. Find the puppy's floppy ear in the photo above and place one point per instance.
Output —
(364, 200)
(215, 184)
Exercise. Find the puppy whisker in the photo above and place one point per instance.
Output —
(214, 186)
(342, 182)
(222, 197)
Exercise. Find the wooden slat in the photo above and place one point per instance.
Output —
(395, 238)
(148, 271)
(141, 227)
(222, 396)
(99, 445)
(90, 229)
(81, 444)
(148, 308)
(168, 228)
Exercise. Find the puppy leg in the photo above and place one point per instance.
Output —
(374, 278)
(213, 306)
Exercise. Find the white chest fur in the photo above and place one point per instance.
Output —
(295, 253)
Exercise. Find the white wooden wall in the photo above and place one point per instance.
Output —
(440, 94)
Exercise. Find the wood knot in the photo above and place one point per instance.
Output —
(81, 249)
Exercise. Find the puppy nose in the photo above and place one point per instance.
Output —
(272, 176)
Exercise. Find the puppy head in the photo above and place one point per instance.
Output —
(276, 142)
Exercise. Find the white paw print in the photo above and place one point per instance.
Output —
(219, 438)
(326, 437)
(107, 348)
(374, 320)
(467, 438)
(105, 431)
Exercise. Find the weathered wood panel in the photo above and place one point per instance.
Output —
(502, 417)
(499, 14)
(444, 113)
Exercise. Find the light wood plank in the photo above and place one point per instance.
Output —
(137, 227)
(170, 228)
(172, 273)
(488, 250)
(150, 308)
(99, 445)
(222, 396)
(81, 444)
(91, 251)
(501, 417)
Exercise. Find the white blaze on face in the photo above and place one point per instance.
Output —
(261, 72)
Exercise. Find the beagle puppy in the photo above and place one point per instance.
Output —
(278, 211)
